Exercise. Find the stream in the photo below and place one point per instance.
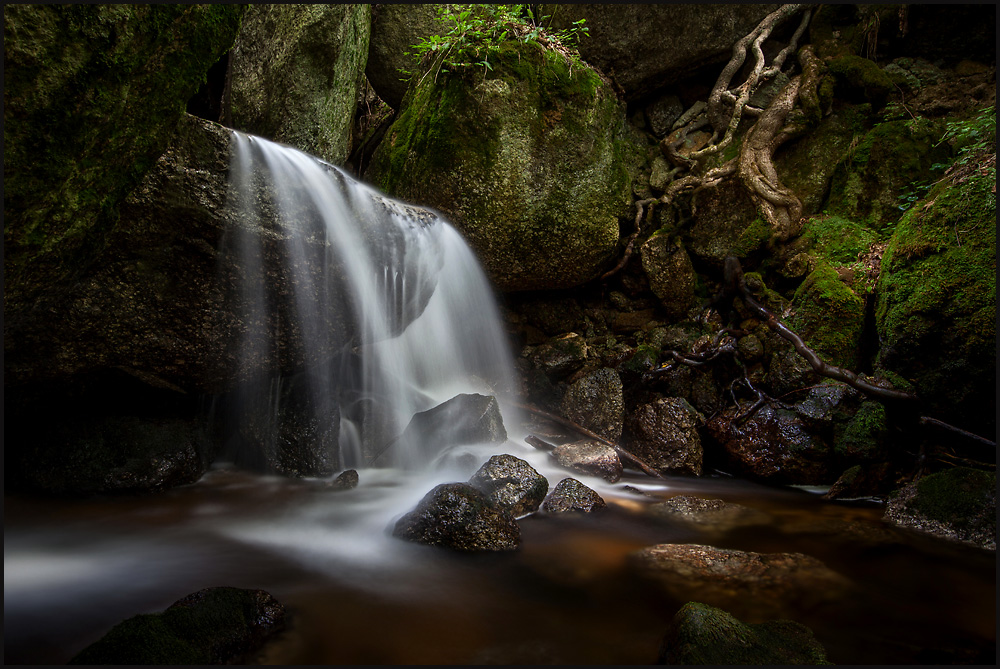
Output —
(356, 595)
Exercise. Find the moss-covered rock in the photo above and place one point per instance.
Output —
(829, 317)
(525, 158)
(936, 309)
(295, 72)
(859, 77)
(702, 634)
(884, 165)
(958, 504)
(92, 94)
(212, 626)
(727, 223)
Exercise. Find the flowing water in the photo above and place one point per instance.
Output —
(424, 327)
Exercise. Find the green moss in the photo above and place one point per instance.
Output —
(863, 437)
(753, 237)
(855, 74)
(837, 240)
(956, 496)
(646, 357)
(829, 316)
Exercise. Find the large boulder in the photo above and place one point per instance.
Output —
(459, 517)
(212, 626)
(647, 46)
(396, 28)
(589, 456)
(92, 94)
(596, 401)
(664, 433)
(702, 634)
(295, 72)
(527, 159)
(671, 275)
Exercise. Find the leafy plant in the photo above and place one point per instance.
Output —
(474, 33)
(973, 136)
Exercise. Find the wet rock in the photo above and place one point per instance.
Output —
(772, 446)
(647, 46)
(589, 456)
(753, 586)
(664, 434)
(531, 171)
(464, 419)
(702, 634)
(866, 480)
(346, 480)
(571, 495)
(596, 402)
(707, 514)
(459, 517)
(295, 73)
(671, 275)
(211, 626)
(957, 504)
(560, 356)
(511, 483)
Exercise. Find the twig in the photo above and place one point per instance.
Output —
(927, 420)
(587, 433)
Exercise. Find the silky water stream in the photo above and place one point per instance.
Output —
(423, 327)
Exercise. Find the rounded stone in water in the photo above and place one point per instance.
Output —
(511, 483)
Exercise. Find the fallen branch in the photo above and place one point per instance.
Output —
(649, 471)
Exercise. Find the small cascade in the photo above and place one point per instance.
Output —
(359, 311)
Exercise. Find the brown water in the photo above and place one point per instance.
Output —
(73, 569)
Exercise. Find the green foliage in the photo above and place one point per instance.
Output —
(973, 136)
(475, 33)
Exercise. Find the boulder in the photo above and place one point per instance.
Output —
(511, 483)
(346, 480)
(702, 634)
(560, 356)
(773, 446)
(396, 28)
(597, 403)
(664, 434)
(459, 517)
(727, 224)
(754, 586)
(526, 159)
(295, 72)
(464, 419)
(958, 504)
(647, 46)
(671, 275)
(571, 495)
(212, 626)
(590, 456)
(92, 94)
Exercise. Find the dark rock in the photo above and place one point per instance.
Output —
(754, 586)
(647, 46)
(661, 114)
(671, 275)
(346, 480)
(589, 456)
(701, 634)
(294, 75)
(571, 495)
(211, 626)
(464, 419)
(727, 224)
(664, 434)
(560, 356)
(457, 516)
(713, 515)
(862, 481)
(396, 28)
(511, 483)
(957, 504)
(773, 446)
(596, 402)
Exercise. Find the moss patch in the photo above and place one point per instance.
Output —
(829, 316)
(955, 496)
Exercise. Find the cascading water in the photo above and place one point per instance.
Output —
(372, 310)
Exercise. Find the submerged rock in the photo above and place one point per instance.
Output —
(957, 504)
(294, 75)
(459, 517)
(754, 586)
(511, 483)
(571, 495)
(702, 634)
(664, 434)
(590, 456)
(526, 159)
(707, 514)
(212, 626)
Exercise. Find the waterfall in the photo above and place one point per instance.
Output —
(359, 311)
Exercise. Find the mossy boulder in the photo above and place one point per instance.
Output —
(526, 159)
(647, 46)
(92, 94)
(727, 224)
(702, 634)
(829, 317)
(295, 72)
(936, 309)
(212, 626)
(883, 168)
(957, 504)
